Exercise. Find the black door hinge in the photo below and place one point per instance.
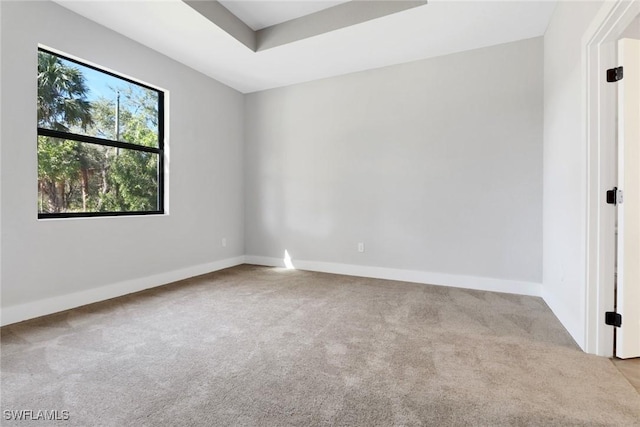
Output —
(613, 319)
(613, 196)
(614, 74)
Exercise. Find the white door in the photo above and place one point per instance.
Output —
(628, 291)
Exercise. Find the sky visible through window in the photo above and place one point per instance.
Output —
(103, 85)
(102, 94)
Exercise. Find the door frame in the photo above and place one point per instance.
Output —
(600, 100)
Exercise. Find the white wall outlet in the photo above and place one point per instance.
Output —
(224, 242)
(360, 247)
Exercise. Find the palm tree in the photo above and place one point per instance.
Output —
(62, 103)
(62, 95)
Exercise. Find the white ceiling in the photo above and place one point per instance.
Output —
(259, 14)
(441, 27)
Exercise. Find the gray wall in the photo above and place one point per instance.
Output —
(49, 258)
(565, 165)
(435, 165)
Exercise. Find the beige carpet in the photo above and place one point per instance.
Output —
(259, 346)
(630, 369)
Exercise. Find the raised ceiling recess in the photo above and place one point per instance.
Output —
(259, 14)
(335, 17)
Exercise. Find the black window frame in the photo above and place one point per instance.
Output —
(112, 143)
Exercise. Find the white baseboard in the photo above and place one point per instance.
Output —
(18, 313)
(424, 277)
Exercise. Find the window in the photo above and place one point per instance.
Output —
(100, 142)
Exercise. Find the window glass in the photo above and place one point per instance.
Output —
(75, 176)
(100, 148)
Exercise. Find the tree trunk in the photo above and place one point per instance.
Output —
(62, 203)
(104, 190)
(85, 188)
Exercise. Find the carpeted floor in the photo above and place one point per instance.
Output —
(630, 369)
(261, 346)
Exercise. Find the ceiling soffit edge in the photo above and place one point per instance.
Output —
(321, 22)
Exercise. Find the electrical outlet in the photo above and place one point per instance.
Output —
(224, 242)
(360, 247)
